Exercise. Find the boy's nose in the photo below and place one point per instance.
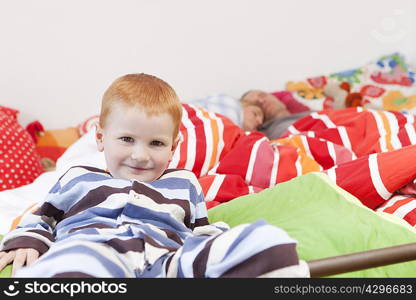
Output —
(140, 154)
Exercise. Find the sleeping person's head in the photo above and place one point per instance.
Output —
(253, 116)
(138, 127)
(270, 105)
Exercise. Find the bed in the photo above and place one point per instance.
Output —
(339, 181)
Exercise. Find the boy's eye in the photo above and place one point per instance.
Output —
(157, 143)
(126, 139)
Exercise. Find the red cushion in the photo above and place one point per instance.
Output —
(19, 160)
(292, 105)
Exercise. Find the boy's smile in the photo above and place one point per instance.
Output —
(136, 145)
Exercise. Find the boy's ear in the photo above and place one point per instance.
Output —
(175, 143)
(99, 136)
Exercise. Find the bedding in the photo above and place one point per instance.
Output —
(52, 143)
(330, 141)
(19, 159)
(325, 220)
(382, 141)
(387, 83)
(292, 105)
(367, 153)
(15, 202)
(229, 162)
(225, 105)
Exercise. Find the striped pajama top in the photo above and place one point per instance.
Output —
(89, 204)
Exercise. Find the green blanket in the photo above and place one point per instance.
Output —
(324, 219)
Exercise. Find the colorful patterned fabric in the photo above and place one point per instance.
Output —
(382, 145)
(369, 153)
(401, 206)
(230, 162)
(388, 83)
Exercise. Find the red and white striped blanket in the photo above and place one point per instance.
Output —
(366, 152)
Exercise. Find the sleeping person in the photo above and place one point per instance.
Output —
(138, 218)
(266, 113)
(270, 113)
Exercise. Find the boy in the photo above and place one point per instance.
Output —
(139, 219)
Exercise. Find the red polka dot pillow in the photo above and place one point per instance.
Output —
(19, 160)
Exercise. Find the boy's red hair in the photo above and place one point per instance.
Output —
(145, 91)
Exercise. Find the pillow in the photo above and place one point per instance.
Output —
(387, 83)
(221, 104)
(19, 159)
(292, 105)
(325, 220)
(53, 143)
(310, 92)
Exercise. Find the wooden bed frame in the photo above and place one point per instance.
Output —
(362, 260)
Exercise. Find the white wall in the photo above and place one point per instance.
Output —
(57, 57)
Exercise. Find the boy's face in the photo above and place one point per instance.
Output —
(135, 145)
